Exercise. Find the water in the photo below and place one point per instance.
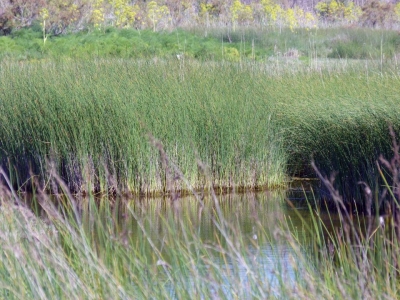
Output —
(261, 225)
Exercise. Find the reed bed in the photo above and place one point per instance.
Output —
(100, 120)
(107, 124)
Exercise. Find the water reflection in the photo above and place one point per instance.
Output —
(247, 212)
(262, 227)
(253, 221)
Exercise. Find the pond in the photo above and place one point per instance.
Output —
(234, 246)
(237, 233)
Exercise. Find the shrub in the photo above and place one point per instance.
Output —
(377, 14)
(335, 11)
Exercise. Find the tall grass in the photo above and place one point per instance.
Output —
(341, 120)
(102, 122)
(89, 117)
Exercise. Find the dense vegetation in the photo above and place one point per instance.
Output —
(244, 44)
(98, 118)
(251, 124)
(155, 112)
(57, 17)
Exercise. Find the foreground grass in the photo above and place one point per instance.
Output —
(88, 250)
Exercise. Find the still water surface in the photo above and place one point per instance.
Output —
(257, 220)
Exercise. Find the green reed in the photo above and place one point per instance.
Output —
(342, 121)
(99, 120)
(101, 124)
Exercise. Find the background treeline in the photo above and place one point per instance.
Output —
(62, 16)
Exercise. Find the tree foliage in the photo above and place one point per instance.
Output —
(73, 15)
(378, 14)
(338, 11)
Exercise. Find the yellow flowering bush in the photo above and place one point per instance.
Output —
(205, 13)
(156, 13)
(272, 11)
(97, 18)
(290, 19)
(241, 13)
(124, 12)
(397, 11)
(310, 21)
(352, 12)
(297, 17)
(334, 10)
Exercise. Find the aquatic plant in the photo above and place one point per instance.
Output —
(95, 122)
(252, 124)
